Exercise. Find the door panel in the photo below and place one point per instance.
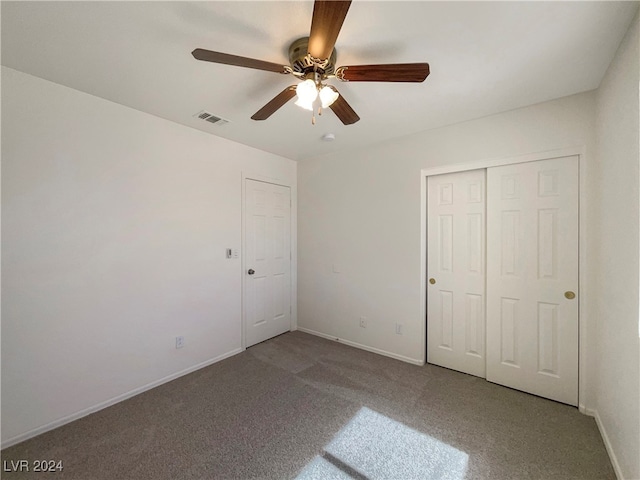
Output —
(456, 261)
(267, 291)
(532, 247)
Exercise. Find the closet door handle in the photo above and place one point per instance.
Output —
(569, 295)
(251, 271)
(432, 281)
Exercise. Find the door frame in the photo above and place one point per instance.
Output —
(583, 328)
(293, 265)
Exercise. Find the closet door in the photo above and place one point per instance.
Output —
(456, 271)
(532, 277)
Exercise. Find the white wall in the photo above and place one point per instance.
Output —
(114, 229)
(361, 211)
(617, 242)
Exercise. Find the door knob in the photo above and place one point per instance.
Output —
(432, 281)
(251, 271)
(570, 295)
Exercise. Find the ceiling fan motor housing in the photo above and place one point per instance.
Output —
(302, 62)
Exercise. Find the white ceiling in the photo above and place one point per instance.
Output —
(485, 57)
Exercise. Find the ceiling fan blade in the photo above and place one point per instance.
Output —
(343, 110)
(225, 58)
(392, 72)
(328, 16)
(277, 102)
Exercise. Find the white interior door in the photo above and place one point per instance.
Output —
(267, 261)
(532, 277)
(456, 271)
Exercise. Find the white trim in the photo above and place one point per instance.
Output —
(112, 401)
(293, 245)
(402, 358)
(265, 179)
(498, 162)
(583, 280)
(607, 443)
(423, 267)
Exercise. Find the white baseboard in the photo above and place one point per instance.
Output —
(607, 443)
(363, 347)
(112, 401)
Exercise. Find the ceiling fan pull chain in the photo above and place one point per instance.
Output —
(313, 119)
(320, 110)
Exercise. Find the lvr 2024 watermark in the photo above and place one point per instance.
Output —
(32, 466)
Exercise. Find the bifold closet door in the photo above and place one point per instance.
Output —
(456, 271)
(532, 277)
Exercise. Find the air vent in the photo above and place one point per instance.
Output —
(211, 118)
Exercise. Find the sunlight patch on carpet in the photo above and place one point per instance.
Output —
(374, 446)
(320, 468)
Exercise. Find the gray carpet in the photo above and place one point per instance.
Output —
(298, 406)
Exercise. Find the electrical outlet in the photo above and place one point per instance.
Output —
(399, 327)
(179, 342)
(363, 322)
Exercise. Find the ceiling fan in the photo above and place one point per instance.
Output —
(312, 60)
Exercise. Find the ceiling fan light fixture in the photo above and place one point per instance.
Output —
(305, 105)
(327, 96)
(307, 93)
